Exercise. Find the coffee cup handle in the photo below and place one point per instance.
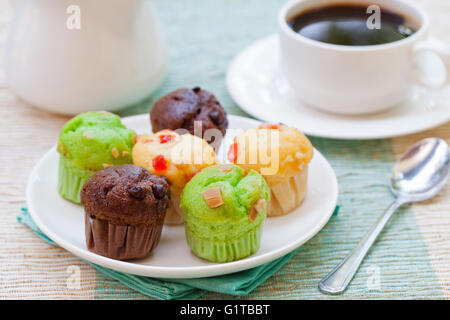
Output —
(442, 50)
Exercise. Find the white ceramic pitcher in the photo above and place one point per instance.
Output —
(72, 56)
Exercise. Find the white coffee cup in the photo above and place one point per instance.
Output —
(356, 79)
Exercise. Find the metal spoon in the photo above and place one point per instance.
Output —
(418, 175)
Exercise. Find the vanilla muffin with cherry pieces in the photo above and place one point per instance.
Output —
(281, 154)
(176, 157)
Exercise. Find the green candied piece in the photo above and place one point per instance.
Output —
(87, 143)
(225, 233)
(92, 139)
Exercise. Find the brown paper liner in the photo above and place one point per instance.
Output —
(174, 215)
(288, 195)
(120, 241)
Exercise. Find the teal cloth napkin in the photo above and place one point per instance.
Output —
(238, 283)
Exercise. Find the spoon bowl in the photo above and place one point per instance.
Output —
(422, 171)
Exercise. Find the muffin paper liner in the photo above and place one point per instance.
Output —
(120, 241)
(225, 251)
(288, 195)
(70, 180)
(174, 214)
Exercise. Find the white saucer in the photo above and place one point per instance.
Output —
(256, 84)
(63, 221)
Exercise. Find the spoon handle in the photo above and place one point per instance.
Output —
(339, 278)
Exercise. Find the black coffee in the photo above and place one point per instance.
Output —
(346, 24)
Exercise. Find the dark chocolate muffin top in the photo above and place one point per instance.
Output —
(126, 195)
(180, 108)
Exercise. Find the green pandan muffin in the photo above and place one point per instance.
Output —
(224, 211)
(90, 142)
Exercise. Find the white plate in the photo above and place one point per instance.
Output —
(63, 221)
(256, 84)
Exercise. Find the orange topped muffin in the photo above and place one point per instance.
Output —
(178, 158)
(281, 154)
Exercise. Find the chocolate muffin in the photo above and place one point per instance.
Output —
(124, 208)
(180, 108)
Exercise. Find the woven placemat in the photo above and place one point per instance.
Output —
(203, 37)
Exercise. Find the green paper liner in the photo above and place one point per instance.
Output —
(71, 179)
(225, 251)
